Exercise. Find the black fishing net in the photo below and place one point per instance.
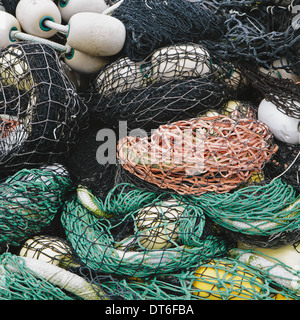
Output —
(157, 23)
(174, 82)
(41, 112)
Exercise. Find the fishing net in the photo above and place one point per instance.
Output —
(30, 200)
(138, 233)
(263, 214)
(195, 156)
(173, 83)
(88, 169)
(23, 278)
(285, 164)
(41, 113)
(166, 26)
(257, 34)
(223, 278)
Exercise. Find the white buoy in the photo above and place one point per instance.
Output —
(96, 34)
(8, 23)
(179, 61)
(32, 14)
(121, 75)
(282, 126)
(279, 71)
(68, 8)
(84, 63)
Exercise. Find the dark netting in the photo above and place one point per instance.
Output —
(174, 82)
(89, 169)
(41, 113)
(30, 200)
(277, 84)
(206, 154)
(285, 164)
(259, 35)
(263, 214)
(138, 233)
(157, 23)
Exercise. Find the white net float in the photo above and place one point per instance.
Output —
(96, 34)
(178, 61)
(32, 15)
(83, 62)
(8, 23)
(282, 126)
(280, 70)
(68, 8)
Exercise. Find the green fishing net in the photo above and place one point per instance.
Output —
(30, 200)
(138, 233)
(223, 278)
(18, 282)
(266, 213)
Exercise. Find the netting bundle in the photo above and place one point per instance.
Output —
(154, 24)
(224, 278)
(264, 214)
(23, 278)
(285, 164)
(30, 200)
(195, 156)
(86, 167)
(138, 233)
(172, 83)
(40, 110)
(259, 34)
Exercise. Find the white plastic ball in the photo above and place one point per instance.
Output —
(282, 126)
(96, 34)
(68, 8)
(31, 15)
(8, 23)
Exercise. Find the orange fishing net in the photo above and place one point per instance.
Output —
(199, 155)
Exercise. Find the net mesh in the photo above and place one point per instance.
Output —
(40, 110)
(134, 232)
(205, 154)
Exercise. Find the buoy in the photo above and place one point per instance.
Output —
(68, 8)
(179, 61)
(8, 23)
(32, 15)
(84, 63)
(282, 126)
(96, 34)
(279, 71)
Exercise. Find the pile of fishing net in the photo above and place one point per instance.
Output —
(156, 179)
(41, 113)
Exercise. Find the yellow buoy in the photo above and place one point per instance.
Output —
(222, 279)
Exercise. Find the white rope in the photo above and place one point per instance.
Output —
(53, 25)
(28, 37)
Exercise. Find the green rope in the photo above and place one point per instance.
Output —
(254, 210)
(96, 239)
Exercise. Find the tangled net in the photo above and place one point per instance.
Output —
(30, 200)
(223, 278)
(137, 233)
(265, 214)
(40, 111)
(173, 83)
(205, 154)
(166, 27)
